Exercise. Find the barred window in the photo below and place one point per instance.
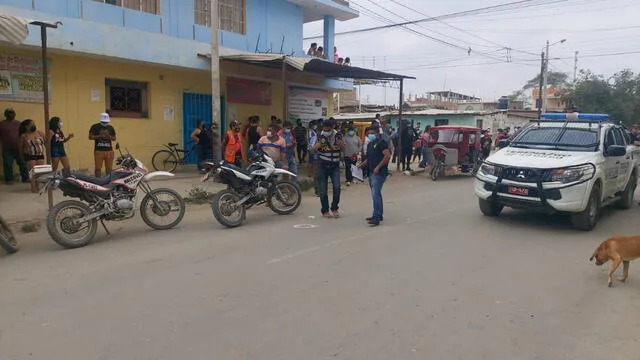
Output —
(148, 6)
(232, 14)
(128, 99)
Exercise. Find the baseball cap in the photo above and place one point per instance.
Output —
(104, 117)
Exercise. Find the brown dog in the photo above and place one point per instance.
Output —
(618, 249)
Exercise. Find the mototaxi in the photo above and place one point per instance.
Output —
(454, 150)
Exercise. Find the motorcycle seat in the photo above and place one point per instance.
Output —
(102, 181)
(237, 168)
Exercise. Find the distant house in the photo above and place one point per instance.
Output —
(554, 98)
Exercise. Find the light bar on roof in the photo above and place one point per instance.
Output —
(574, 116)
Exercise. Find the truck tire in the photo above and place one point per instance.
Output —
(490, 208)
(587, 219)
(626, 197)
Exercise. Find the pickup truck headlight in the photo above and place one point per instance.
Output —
(488, 169)
(572, 174)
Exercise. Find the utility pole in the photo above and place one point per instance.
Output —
(215, 81)
(575, 68)
(545, 80)
(541, 84)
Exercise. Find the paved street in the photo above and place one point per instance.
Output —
(436, 281)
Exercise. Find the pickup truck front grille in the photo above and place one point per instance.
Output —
(523, 175)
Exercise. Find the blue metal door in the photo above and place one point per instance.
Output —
(197, 107)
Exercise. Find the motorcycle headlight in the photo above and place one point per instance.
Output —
(488, 169)
(572, 174)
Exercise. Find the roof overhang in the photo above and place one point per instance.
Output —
(15, 29)
(314, 10)
(311, 65)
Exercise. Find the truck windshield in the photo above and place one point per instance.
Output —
(561, 138)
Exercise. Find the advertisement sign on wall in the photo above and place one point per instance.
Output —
(21, 78)
(307, 104)
(243, 91)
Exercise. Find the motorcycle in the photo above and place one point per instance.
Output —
(110, 198)
(7, 240)
(257, 184)
(439, 156)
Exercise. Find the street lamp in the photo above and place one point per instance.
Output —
(545, 68)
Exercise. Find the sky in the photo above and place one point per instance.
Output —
(595, 28)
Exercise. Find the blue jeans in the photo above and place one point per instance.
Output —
(376, 182)
(323, 174)
(293, 167)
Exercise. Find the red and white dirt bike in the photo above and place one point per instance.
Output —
(73, 223)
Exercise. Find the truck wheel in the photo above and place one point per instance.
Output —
(490, 208)
(626, 198)
(586, 220)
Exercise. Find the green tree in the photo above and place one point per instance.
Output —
(554, 78)
(618, 95)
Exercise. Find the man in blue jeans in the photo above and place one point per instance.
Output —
(377, 160)
(329, 148)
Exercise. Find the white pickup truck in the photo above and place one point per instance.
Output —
(563, 163)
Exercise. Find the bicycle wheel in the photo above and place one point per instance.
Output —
(164, 160)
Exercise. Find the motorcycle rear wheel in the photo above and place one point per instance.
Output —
(61, 235)
(275, 192)
(161, 209)
(435, 172)
(221, 211)
(7, 240)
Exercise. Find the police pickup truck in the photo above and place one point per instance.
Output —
(562, 163)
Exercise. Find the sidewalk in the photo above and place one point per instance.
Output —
(18, 204)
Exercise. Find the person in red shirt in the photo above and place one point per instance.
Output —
(10, 139)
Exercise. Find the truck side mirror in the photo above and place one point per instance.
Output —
(503, 143)
(616, 150)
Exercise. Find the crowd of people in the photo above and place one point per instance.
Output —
(318, 51)
(323, 146)
(23, 144)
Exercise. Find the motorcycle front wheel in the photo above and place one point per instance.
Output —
(7, 240)
(225, 211)
(64, 230)
(162, 204)
(284, 197)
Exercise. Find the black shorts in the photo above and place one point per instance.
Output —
(33, 157)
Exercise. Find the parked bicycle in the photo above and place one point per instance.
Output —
(168, 159)
(7, 240)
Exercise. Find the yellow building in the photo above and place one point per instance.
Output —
(81, 87)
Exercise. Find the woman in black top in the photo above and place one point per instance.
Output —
(57, 141)
(203, 143)
(254, 133)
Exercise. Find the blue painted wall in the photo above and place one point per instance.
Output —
(171, 38)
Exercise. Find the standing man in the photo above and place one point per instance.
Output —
(352, 147)
(378, 156)
(301, 141)
(103, 134)
(10, 139)
(232, 145)
(290, 145)
(329, 149)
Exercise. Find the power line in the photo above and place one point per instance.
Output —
(524, 3)
(468, 50)
(455, 27)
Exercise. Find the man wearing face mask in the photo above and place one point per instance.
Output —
(103, 134)
(377, 160)
(352, 146)
(273, 146)
(232, 145)
(329, 150)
